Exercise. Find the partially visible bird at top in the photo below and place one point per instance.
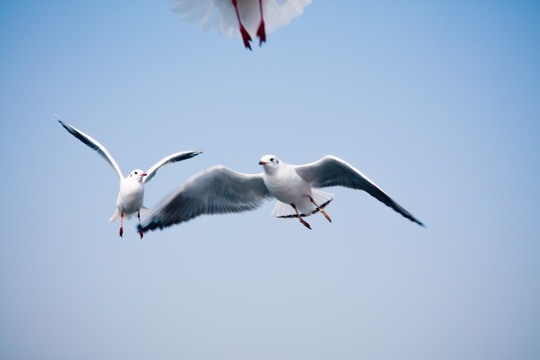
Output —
(240, 17)
(131, 194)
(222, 190)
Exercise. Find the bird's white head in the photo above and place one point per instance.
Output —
(137, 175)
(270, 163)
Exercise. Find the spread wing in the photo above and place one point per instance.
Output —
(332, 171)
(211, 14)
(216, 190)
(179, 156)
(93, 144)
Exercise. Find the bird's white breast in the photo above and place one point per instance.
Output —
(286, 186)
(130, 197)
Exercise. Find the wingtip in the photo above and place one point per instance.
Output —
(146, 225)
(142, 229)
(57, 117)
(64, 124)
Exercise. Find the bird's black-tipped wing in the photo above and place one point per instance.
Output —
(179, 156)
(216, 190)
(332, 171)
(93, 144)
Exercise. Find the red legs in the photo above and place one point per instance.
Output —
(260, 32)
(121, 223)
(139, 216)
(243, 31)
(300, 218)
(321, 210)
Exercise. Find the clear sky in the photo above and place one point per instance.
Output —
(436, 102)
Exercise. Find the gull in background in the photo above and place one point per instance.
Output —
(240, 17)
(131, 194)
(222, 190)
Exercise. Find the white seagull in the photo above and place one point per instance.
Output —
(131, 194)
(242, 17)
(222, 190)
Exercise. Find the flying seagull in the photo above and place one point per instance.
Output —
(243, 17)
(222, 190)
(131, 194)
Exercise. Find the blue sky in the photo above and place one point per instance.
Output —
(436, 102)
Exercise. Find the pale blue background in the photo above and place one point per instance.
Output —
(437, 102)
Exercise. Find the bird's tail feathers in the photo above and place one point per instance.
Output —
(115, 216)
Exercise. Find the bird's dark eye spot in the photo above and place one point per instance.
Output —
(135, 173)
(272, 159)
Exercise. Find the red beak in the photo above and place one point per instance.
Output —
(144, 174)
(263, 163)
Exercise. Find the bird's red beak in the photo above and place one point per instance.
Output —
(144, 174)
(263, 163)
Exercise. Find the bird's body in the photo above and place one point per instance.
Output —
(284, 183)
(222, 190)
(131, 195)
(242, 17)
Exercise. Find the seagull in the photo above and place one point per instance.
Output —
(222, 190)
(240, 16)
(131, 194)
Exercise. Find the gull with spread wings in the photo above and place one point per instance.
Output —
(222, 190)
(131, 194)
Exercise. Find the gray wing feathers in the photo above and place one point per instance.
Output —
(216, 190)
(179, 156)
(93, 144)
(332, 171)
